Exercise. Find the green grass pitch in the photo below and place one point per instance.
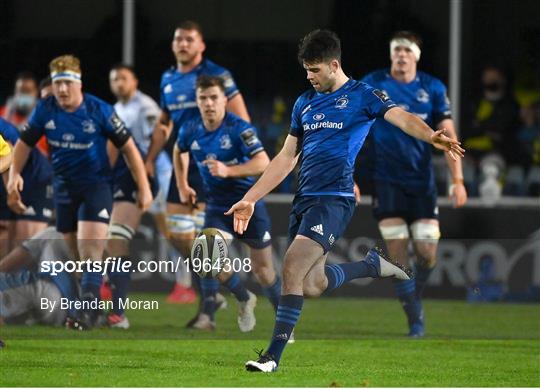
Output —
(340, 342)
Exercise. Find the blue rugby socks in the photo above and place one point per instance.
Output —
(236, 286)
(119, 285)
(421, 275)
(273, 292)
(288, 312)
(209, 288)
(337, 275)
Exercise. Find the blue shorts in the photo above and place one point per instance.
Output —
(194, 180)
(86, 203)
(321, 218)
(125, 188)
(257, 234)
(38, 199)
(393, 200)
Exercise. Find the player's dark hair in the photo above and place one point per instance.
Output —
(190, 25)
(319, 46)
(44, 83)
(204, 82)
(26, 75)
(412, 36)
(124, 66)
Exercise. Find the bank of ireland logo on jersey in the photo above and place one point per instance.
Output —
(318, 116)
(342, 102)
(211, 156)
(167, 89)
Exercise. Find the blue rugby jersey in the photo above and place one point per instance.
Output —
(77, 139)
(331, 128)
(397, 156)
(233, 143)
(178, 91)
(38, 169)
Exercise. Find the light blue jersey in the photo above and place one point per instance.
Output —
(331, 127)
(398, 157)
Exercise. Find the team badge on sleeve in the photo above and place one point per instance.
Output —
(381, 95)
(249, 138)
(228, 81)
(117, 123)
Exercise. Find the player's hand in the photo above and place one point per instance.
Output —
(440, 141)
(458, 194)
(357, 194)
(15, 183)
(188, 195)
(242, 210)
(144, 198)
(150, 168)
(14, 202)
(217, 168)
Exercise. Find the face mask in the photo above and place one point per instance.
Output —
(493, 87)
(23, 103)
(493, 91)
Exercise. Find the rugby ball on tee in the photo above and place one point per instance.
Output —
(208, 253)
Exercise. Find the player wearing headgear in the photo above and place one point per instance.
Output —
(228, 154)
(328, 127)
(23, 216)
(178, 106)
(77, 126)
(405, 195)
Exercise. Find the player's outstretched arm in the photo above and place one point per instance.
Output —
(159, 138)
(136, 166)
(457, 190)
(181, 166)
(276, 172)
(252, 167)
(414, 126)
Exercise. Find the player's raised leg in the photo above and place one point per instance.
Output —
(302, 254)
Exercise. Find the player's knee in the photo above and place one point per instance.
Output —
(265, 274)
(312, 290)
(178, 224)
(120, 234)
(426, 236)
(424, 232)
(397, 231)
(198, 219)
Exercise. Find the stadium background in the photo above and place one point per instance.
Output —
(257, 41)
